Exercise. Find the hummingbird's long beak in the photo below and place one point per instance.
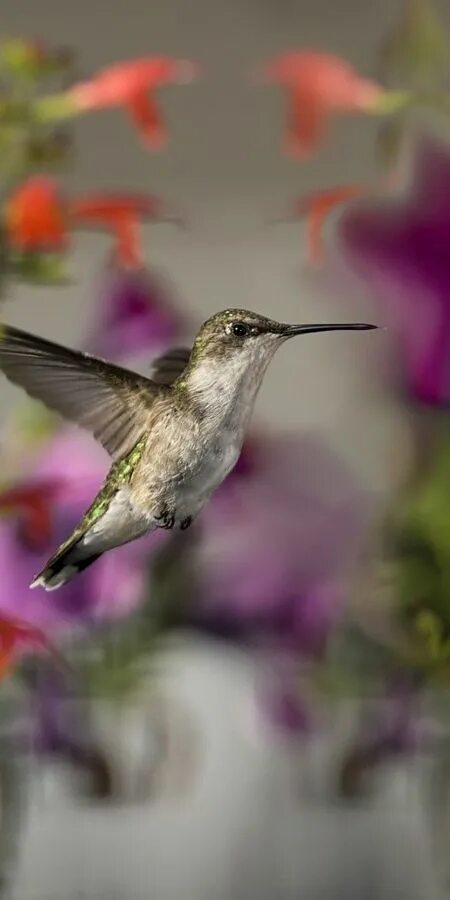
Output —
(292, 330)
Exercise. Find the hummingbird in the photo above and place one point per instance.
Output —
(173, 438)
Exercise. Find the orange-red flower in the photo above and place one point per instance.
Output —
(315, 208)
(39, 218)
(14, 634)
(33, 505)
(120, 213)
(132, 84)
(318, 85)
(35, 216)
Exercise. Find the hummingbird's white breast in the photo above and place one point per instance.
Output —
(216, 463)
(226, 394)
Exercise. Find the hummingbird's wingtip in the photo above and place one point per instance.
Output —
(49, 581)
(37, 582)
(40, 581)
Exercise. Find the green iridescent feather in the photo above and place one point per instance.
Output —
(119, 476)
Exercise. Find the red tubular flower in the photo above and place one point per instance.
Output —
(33, 504)
(318, 84)
(120, 213)
(14, 634)
(35, 216)
(315, 208)
(132, 84)
(38, 218)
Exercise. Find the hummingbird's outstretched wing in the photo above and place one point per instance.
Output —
(166, 369)
(111, 402)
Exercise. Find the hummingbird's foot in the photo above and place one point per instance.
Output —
(166, 519)
(186, 523)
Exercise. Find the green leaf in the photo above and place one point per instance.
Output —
(390, 138)
(40, 268)
(49, 150)
(418, 48)
(32, 61)
(20, 57)
(35, 422)
(421, 562)
(14, 112)
(391, 102)
(54, 107)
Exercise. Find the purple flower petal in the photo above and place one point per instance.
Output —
(111, 588)
(401, 248)
(136, 315)
(275, 545)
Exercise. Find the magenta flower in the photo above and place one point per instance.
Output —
(276, 545)
(278, 540)
(136, 315)
(400, 247)
(111, 589)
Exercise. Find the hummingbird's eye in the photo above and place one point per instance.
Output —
(238, 329)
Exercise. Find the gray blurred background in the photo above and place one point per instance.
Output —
(244, 835)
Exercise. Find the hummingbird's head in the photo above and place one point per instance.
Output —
(240, 334)
(231, 353)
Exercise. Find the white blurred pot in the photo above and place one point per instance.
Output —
(237, 822)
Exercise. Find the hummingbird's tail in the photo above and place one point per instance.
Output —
(67, 562)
